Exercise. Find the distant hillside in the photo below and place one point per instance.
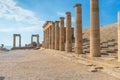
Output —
(107, 32)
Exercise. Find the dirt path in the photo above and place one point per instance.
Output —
(42, 65)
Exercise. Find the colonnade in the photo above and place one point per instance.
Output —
(55, 37)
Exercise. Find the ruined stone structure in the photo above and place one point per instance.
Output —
(78, 35)
(47, 27)
(62, 35)
(55, 35)
(94, 29)
(37, 36)
(118, 36)
(14, 40)
(50, 39)
(68, 32)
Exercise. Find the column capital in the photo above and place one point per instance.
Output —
(77, 5)
(68, 13)
(57, 21)
(62, 18)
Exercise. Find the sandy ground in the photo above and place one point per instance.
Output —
(43, 65)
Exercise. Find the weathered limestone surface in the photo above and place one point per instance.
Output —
(118, 36)
(53, 35)
(78, 36)
(57, 35)
(43, 43)
(94, 29)
(50, 37)
(62, 37)
(47, 39)
(68, 32)
(47, 27)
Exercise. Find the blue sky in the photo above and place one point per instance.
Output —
(26, 17)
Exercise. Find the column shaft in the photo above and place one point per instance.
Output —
(50, 37)
(19, 41)
(45, 38)
(57, 35)
(68, 32)
(14, 41)
(44, 41)
(94, 29)
(53, 35)
(78, 35)
(62, 37)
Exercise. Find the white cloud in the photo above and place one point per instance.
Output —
(9, 10)
(61, 14)
(20, 29)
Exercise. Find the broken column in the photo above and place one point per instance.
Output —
(94, 29)
(118, 36)
(62, 38)
(78, 35)
(68, 32)
(56, 35)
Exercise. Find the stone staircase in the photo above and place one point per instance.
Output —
(108, 47)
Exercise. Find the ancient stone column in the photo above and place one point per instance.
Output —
(44, 41)
(118, 36)
(19, 41)
(78, 35)
(50, 37)
(53, 35)
(47, 38)
(68, 32)
(62, 37)
(94, 29)
(47, 41)
(38, 44)
(57, 35)
(14, 41)
(31, 39)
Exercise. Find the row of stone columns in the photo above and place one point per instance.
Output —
(56, 34)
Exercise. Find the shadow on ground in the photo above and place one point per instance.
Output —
(2, 78)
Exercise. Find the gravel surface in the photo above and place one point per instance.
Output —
(43, 65)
